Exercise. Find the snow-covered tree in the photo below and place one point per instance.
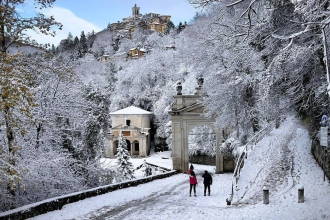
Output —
(202, 141)
(147, 168)
(125, 170)
(15, 78)
(38, 138)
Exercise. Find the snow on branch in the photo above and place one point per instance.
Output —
(294, 35)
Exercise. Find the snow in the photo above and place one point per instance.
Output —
(169, 198)
(131, 110)
(161, 159)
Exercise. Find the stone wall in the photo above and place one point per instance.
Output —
(322, 156)
(202, 159)
(57, 203)
(140, 121)
(228, 162)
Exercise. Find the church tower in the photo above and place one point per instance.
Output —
(135, 11)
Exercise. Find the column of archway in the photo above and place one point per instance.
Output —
(184, 152)
(177, 143)
(219, 156)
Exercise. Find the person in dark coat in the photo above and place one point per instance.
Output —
(193, 182)
(207, 182)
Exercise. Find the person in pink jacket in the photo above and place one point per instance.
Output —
(193, 182)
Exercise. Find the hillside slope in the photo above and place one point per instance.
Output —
(281, 161)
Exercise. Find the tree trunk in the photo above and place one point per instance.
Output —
(10, 141)
(9, 131)
(39, 128)
(255, 124)
(2, 30)
(237, 123)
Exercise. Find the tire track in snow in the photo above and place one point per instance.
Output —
(119, 212)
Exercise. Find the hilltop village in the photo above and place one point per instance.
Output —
(110, 43)
(149, 21)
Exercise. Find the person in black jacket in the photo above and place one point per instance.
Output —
(207, 182)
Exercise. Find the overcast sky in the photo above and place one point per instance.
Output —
(88, 15)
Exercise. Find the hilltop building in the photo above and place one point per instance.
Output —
(104, 58)
(150, 21)
(134, 124)
(136, 52)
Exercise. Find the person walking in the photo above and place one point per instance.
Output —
(207, 182)
(193, 182)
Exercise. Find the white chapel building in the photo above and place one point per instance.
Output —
(134, 124)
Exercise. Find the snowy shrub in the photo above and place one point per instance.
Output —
(147, 169)
(42, 174)
(229, 147)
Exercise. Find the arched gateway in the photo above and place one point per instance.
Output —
(188, 112)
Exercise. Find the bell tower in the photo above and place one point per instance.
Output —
(135, 11)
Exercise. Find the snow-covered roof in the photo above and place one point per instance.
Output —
(170, 46)
(131, 110)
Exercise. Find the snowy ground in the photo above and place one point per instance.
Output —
(162, 159)
(281, 161)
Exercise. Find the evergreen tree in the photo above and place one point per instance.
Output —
(70, 37)
(170, 26)
(53, 49)
(83, 47)
(76, 42)
(67, 44)
(69, 41)
(181, 27)
(125, 166)
(90, 38)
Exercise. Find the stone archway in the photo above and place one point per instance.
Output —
(129, 147)
(202, 145)
(136, 148)
(188, 112)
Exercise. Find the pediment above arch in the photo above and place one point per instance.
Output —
(193, 108)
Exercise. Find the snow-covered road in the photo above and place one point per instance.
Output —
(282, 161)
(169, 202)
(169, 199)
(161, 199)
